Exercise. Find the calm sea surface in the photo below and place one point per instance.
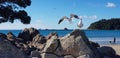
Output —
(100, 36)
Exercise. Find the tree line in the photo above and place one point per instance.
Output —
(106, 24)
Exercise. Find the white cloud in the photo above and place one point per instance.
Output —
(89, 17)
(110, 4)
(93, 17)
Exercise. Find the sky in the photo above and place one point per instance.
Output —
(45, 14)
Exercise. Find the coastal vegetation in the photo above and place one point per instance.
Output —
(106, 24)
(14, 9)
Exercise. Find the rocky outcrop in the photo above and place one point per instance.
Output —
(28, 34)
(75, 44)
(30, 44)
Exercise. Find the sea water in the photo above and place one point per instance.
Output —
(99, 36)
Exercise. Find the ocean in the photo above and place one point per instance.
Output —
(99, 36)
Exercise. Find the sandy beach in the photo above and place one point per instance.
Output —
(116, 47)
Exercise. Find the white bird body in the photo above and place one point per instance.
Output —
(80, 24)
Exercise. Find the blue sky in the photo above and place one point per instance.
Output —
(45, 14)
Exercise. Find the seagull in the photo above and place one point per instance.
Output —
(63, 18)
(69, 19)
(80, 24)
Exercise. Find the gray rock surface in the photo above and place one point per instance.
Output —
(7, 50)
(76, 44)
(107, 52)
(48, 55)
(35, 54)
(38, 42)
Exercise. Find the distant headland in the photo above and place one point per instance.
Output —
(106, 24)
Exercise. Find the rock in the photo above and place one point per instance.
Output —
(38, 42)
(65, 28)
(107, 51)
(35, 54)
(68, 56)
(11, 36)
(39, 38)
(77, 44)
(28, 34)
(47, 55)
(33, 32)
(7, 50)
(94, 44)
(85, 56)
(2, 36)
(25, 35)
(51, 45)
(52, 34)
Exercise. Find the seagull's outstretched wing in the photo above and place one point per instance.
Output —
(74, 16)
(63, 19)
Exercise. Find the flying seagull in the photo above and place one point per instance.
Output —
(69, 19)
(79, 25)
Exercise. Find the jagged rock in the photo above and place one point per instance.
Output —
(35, 54)
(11, 36)
(38, 41)
(77, 44)
(107, 51)
(48, 55)
(51, 34)
(7, 50)
(33, 32)
(28, 34)
(2, 36)
(51, 45)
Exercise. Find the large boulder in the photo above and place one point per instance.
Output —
(77, 44)
(28, 34)
(7, 50)
(107, 52)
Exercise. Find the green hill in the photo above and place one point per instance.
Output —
(106, 24)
